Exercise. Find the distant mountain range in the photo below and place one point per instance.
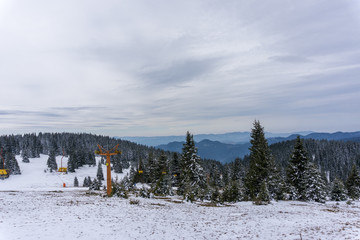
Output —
(208, 149)
(225, 152)
(230, 138)
(338, 136)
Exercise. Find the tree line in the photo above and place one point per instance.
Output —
(297, 170)
(259, 177)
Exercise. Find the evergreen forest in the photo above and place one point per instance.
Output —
(300, 169)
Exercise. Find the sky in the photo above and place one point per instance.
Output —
(159, 67)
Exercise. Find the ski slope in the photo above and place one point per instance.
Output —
(35, 205)
(34, 178)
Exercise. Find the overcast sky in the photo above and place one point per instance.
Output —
(160, 67)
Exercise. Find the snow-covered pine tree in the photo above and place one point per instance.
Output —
(86, 183)
(25, 157)
(100, 174)
(232, 192)
(353, 183)
(150, 171)
(263, 197)
(162, 185)
(338, 191)
(275, 182)
(71, 163)
(296, 170)
(214, 177)
(161, 166)
(236, 173)
(175, 169)
(124, 163)
(89, 181)
(193, 184)
(262, 164)
(314, 184)
(80, 157)
(11, 163)
(133, 176)
(91, 159)
(76, 182)
(95, 185)
(117, 164)
(51, 162)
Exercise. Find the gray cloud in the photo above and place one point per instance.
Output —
(289, 59)
(178, 73)
(161, 68)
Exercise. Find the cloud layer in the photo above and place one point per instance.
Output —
(165, 67)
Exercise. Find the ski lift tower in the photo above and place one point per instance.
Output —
(102, 151)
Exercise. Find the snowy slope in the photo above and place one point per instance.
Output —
(34, 178)
(77, 215)
(34, 205)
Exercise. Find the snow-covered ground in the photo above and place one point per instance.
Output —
(33, 177)
(54, 212)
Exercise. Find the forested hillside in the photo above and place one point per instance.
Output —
(334, 158)
(263, 175)
(78, 147)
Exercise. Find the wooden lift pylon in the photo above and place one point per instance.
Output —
(102, 151)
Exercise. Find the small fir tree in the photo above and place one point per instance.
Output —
(338, 191)
(151, 168)
(86, 183)
(100, 174)
(76, 182)
(232, 192)
(25, 157)
(175, 169)
(89, 181)
(263, 197)
(51, 162)
(117, 164)
(95, 185)
(353, 183)
(216, 196)
(162, 186)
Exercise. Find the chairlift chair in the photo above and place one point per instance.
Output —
(4, 173)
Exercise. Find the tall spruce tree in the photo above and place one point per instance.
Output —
(305, 182)
(353, 183)
(193, 184)
(314, 184)
(262, 167)
(296, 170)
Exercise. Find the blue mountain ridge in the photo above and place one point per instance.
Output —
(225, 152)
